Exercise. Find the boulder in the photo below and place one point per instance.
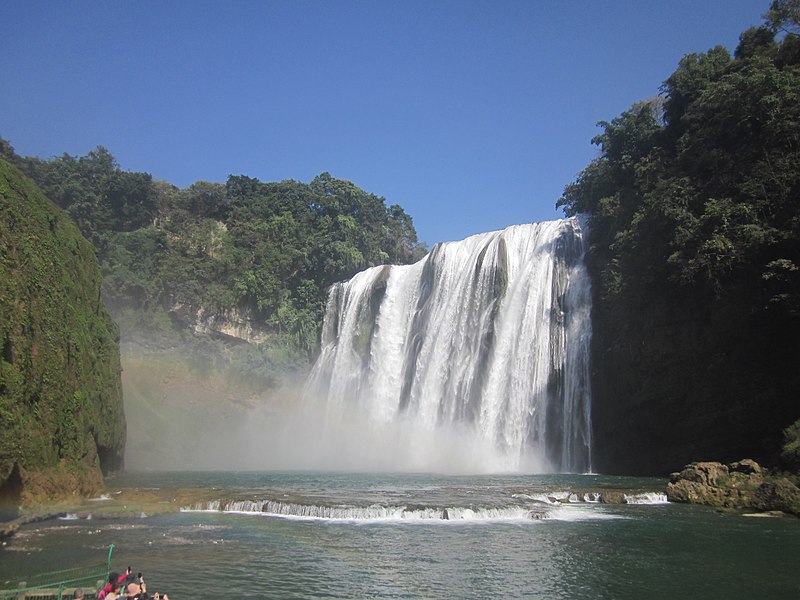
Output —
(702, 473)
(780, 495)
(716, 484)
(740, 485)
(747, 466)
(611, 497)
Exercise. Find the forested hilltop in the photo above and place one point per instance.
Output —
(247, 257)
(695, 259)
(218, 289)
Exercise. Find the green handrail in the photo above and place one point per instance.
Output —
(55, 584)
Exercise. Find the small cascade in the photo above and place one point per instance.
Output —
(646, 498)
(373, 512)
(479, 352)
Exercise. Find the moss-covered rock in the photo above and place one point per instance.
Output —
(61, 416)
(715, 484)
(739, 485)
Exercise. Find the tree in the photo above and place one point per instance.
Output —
(271, 249)
(695, 253)
(784, 15)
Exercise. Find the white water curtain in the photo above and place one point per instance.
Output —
(474, 359)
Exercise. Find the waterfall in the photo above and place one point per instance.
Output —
(479, 351)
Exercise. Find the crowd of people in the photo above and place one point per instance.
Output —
(125, 586)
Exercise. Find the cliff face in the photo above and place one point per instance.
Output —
(61, 416)
(680, 379)
(234, 323)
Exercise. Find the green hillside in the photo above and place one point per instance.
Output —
(221, 287)
(176, 260)
(61, 415)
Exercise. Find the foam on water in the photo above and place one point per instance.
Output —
(646, 498)
(558, 506)
(371, 513)
(575, 513)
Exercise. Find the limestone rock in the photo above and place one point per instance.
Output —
(739, 485)
(611, 497)
(702, 473)
(747, 466)
(715, 484)
(780, 495)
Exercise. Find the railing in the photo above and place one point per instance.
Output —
(62, 584)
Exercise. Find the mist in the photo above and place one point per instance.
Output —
(184, 416)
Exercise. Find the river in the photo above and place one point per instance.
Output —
(346, 535)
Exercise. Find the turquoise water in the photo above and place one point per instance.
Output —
(503, 538)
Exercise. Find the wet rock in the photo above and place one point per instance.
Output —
(612, 497)
(739, 485)
(748, 466)
(780, 495)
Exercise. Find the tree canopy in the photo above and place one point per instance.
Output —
(694, 252)
(700, 186)
(269, 248)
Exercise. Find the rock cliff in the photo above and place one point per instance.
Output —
(61, 417)
(679, 378)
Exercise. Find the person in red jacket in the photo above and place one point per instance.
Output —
(115, 579)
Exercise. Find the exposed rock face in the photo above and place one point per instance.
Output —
(739, 485)
(238, 324)
(780, 495)
(61, 415)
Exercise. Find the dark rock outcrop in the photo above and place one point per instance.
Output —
(780, 495)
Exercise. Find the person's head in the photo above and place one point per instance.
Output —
(78, 593)
(132, 590)
(113, 577)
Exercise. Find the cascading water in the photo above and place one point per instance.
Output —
(478, 354)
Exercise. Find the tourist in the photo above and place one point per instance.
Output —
(78, 593)
(114, 593)
(135, 591)
(112, 579)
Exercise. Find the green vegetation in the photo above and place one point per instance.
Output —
(790, 454)
(695, 256)
(60, 391)
(192, 275)
(247, 253)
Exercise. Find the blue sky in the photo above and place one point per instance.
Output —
(471, 115)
